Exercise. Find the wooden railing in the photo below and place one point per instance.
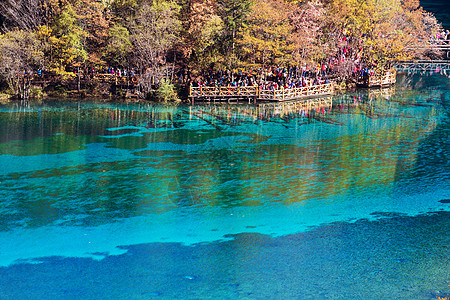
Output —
(378, 80)
(255, 92)
(107, 78)
(423, 65)
(436, 47)
(382, 80)
(223, 91)
(111, 78)
(297, 93)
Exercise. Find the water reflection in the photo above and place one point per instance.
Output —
(90, 164)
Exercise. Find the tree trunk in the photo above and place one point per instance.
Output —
(78, 79)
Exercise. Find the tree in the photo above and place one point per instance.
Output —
(67, 41)
(202, 30)
(154, 30)
(375, 33)
(123, 10)
(306, 19)
(20, 54)
(264, 38)
(21, 14)
(119, 46)
(233, 14)
(93, 22)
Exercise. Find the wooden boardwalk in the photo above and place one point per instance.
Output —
(377, 80)
(111, 78)
(223, 93)
(255, 93)
(297, 93)
(423, 65)
(103, 78)
(442, 50)
(428, 65)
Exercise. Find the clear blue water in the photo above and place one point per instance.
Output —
(345, 199)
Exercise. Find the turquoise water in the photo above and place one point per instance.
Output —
(346, 198)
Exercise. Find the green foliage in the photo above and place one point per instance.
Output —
(234, 15)
(67, 41)
(382, 31)
(36, 93)
(264, 39)
(124, 9)
(94, 23)
(203, 32)
(166, 91)
(4, 98)
(20, 54)
(20, 51)
(155, 29)
(119, 46)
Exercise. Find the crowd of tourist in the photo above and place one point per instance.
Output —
(268, 78)
(346, 61)
(442, 38)
(92, 72)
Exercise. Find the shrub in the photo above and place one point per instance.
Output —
(166, 91)
(36, 92)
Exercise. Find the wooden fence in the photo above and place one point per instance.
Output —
(423, 65)
(297, 93)
(111, 78)
(257, 93)
(105, 78)
(377, 80)
(222, 91)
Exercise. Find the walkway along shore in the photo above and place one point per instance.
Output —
(255, 93)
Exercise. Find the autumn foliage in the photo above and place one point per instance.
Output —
(180, 39)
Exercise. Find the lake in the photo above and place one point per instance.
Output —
(343, 197)
(440, 8)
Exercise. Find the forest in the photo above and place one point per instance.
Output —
(178, 41)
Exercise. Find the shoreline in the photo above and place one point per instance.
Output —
(183, 96)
